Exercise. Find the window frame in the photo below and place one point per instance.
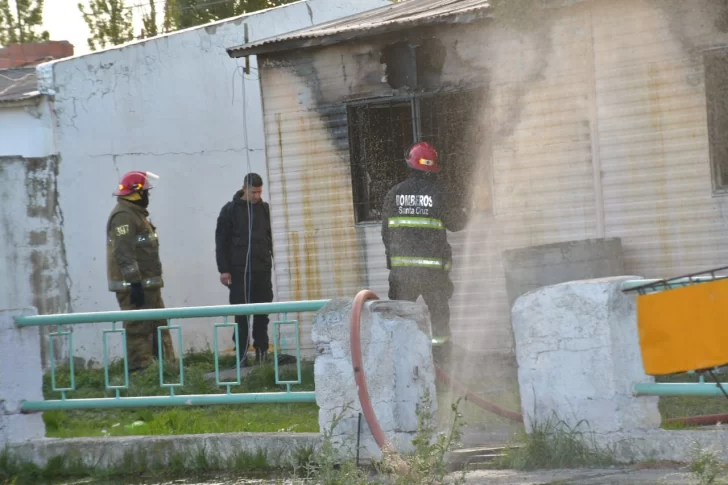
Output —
(716, 176)
(414, 101)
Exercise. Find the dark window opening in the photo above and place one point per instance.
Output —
(449, 122)
(400, 65)
(430, 59)
(381, 132)
(716, 91)
(414, 65)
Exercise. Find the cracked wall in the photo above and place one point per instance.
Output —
(31, 240)
(175, 105)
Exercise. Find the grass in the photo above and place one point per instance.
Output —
(200, 463)
(427, 465)
(554, 444)
(706, 466)
(683, 406)
(172, 421)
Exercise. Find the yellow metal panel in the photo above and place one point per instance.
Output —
(684, 329)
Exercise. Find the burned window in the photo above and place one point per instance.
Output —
(448, 121)
(716, 91)
(380, 133)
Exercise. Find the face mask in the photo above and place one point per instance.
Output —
(144, 202)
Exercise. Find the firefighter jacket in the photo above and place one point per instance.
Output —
(132, 248)
(235, 234)
(415, 215)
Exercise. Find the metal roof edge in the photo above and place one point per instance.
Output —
(268, 46)
(32, 98)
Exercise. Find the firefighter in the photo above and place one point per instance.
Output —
(415, 216)
(134, 269)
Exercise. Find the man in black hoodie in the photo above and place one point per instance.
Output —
(244, 251)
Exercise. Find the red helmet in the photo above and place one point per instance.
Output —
(423, 156)
(135, 182)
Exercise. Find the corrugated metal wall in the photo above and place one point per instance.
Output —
(654, 145)
(540, 151)
(596, 127)
(318, 250)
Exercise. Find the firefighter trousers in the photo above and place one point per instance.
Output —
(253, 287)
(141, 336)
(435, 287)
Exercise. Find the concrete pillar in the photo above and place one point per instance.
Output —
(21, 378)
(578, 358)
(397, 354)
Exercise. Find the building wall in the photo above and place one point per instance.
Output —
(26, 129)
(32, 248)
(592, 124)
(172, 105)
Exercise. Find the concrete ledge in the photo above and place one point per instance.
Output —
(281, 449)
(667, 445)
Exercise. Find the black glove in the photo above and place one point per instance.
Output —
(137, 295)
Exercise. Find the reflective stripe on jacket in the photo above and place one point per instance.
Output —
(415, 217)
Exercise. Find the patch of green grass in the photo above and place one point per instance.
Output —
(686, 406)
(554, 444)
(200, 463)
(427, 465)
(90, 383)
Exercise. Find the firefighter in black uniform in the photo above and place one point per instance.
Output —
(415, 216)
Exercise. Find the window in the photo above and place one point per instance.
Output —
(716, 91)
(380, 133)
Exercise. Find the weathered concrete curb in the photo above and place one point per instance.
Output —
(281, 449)
(21, 377)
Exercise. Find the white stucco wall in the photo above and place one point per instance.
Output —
(396, 348)
(26, 130)
(172, 105)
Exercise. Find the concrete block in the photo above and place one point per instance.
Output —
(534, 267)
(578, 357)
(397, 355)
(21, 378)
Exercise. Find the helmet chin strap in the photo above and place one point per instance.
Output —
(139, 198)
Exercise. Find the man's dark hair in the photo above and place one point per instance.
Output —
(253, 180)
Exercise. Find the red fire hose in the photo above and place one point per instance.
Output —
(361, 382)
(358, 364)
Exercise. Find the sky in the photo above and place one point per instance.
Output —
(63, 21)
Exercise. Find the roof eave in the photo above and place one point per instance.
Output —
(347, 36)
(26, 100)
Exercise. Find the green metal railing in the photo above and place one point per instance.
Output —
(114, 317)
(694, 389)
